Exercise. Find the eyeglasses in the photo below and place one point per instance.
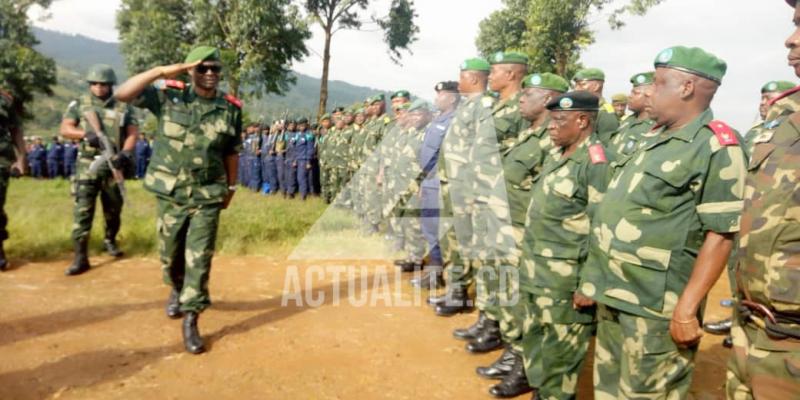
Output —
(203, 69)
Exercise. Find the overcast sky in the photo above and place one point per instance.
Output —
(748, 34)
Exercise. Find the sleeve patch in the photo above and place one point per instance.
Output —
(233, 100)
(597, 154)
(724, 133)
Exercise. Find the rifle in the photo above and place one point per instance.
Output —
(107, 154)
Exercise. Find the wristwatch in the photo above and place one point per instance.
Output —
(232, 188)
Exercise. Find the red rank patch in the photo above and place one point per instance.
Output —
(785, 94)
(233, 100)
(724, 133)
(597, 154)
(172, 83)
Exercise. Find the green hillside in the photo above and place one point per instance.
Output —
(75, 53)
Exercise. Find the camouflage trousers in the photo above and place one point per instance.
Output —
(497, 284)
(636, 358)
(761, 367)
(410, 225)
(457, 233)
(86, 193)
(186, 238)
(4, 180)
(555, 342)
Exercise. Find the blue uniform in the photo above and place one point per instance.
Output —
(70, 158)
(429, 189)
(37, 157)
(55, 159)
(142, 153)
(268, 161)
(301, 146)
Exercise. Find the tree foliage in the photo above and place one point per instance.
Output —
(23, 70)
(259, 39)
(552, 32)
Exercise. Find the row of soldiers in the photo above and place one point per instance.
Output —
(570, 223)
(54, 160)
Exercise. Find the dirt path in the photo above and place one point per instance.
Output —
(103, 335)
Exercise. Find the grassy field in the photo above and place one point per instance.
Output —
(40, 222)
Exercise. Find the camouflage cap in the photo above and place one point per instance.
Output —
(203, 53)
(509, 57)
(101, 73)
(693, 60)
(547, 81)
(401, 93)
(589, 74)
(575, 101)
(476, 64)
(419, 105)
(619, 98)
(777, 86)
(643, 78)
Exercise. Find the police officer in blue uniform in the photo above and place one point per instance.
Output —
(70, 157)
(142, 152)
(268, 166)
(37, 158)
(55, 158)
(304, 153)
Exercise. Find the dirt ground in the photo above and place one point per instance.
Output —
(104, 335)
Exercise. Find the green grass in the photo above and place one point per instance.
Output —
(40, 222)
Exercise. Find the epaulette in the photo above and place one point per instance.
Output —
(724, 133)
(784, 95)
(487, 101)
(597, 154)
(233, 100)
(386, 120)
(608, 108)
(174, 84)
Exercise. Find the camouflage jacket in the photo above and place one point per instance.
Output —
(564, 198)
(408, 173)
(630, 136)
(659, 204)
(521, 164)
(114, 118)
(193, 138)
(768, 269)
(508, 122)
(607, 123)
(8, 121)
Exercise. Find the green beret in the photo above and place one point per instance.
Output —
(777, 86)
(203, 53)
(401, 93)
(476, 64)
(590, 74)
(419, 105)
(693, 60)
(509, 57)
(644, 78)
(619, 98)
(575, 101)
(547, 81)
(377, 97)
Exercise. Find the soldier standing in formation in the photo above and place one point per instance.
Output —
(120, 127)
(592, 80)
(199, 131)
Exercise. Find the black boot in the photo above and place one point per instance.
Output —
(473, 331)
(718, 327)
(514, 384)
(488, 340)
(3, 261)
(173, 307)
(501, 367)
(434, 301)
(727, 342)
(430, 280)
(111, 248)
(457, 301)
(192, 341)
(81, 262)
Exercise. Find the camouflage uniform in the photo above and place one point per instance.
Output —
(765, 363)
(521, 165)
(607, 123)
(371, 195)
(407, 178)
(630, 136)
(494, 237)
(455, 177)
(686, 182)
(8, 121)
(187, 174)
(556, 336)
(114, 118)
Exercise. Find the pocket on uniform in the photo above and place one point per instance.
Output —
(650, 353)
(785, 288)
(176, 123)
(643, 270)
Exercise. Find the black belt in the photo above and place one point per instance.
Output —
(774, 322)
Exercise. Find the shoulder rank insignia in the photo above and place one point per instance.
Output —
(233, 100)
(608, 108)
(724, 133)
(487, 101)
(174, 84)
(597, 154)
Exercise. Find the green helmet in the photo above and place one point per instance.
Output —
(101, 73)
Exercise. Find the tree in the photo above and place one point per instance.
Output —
(23, 70)
(258, 39)
(552, 32)
(399, 29)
